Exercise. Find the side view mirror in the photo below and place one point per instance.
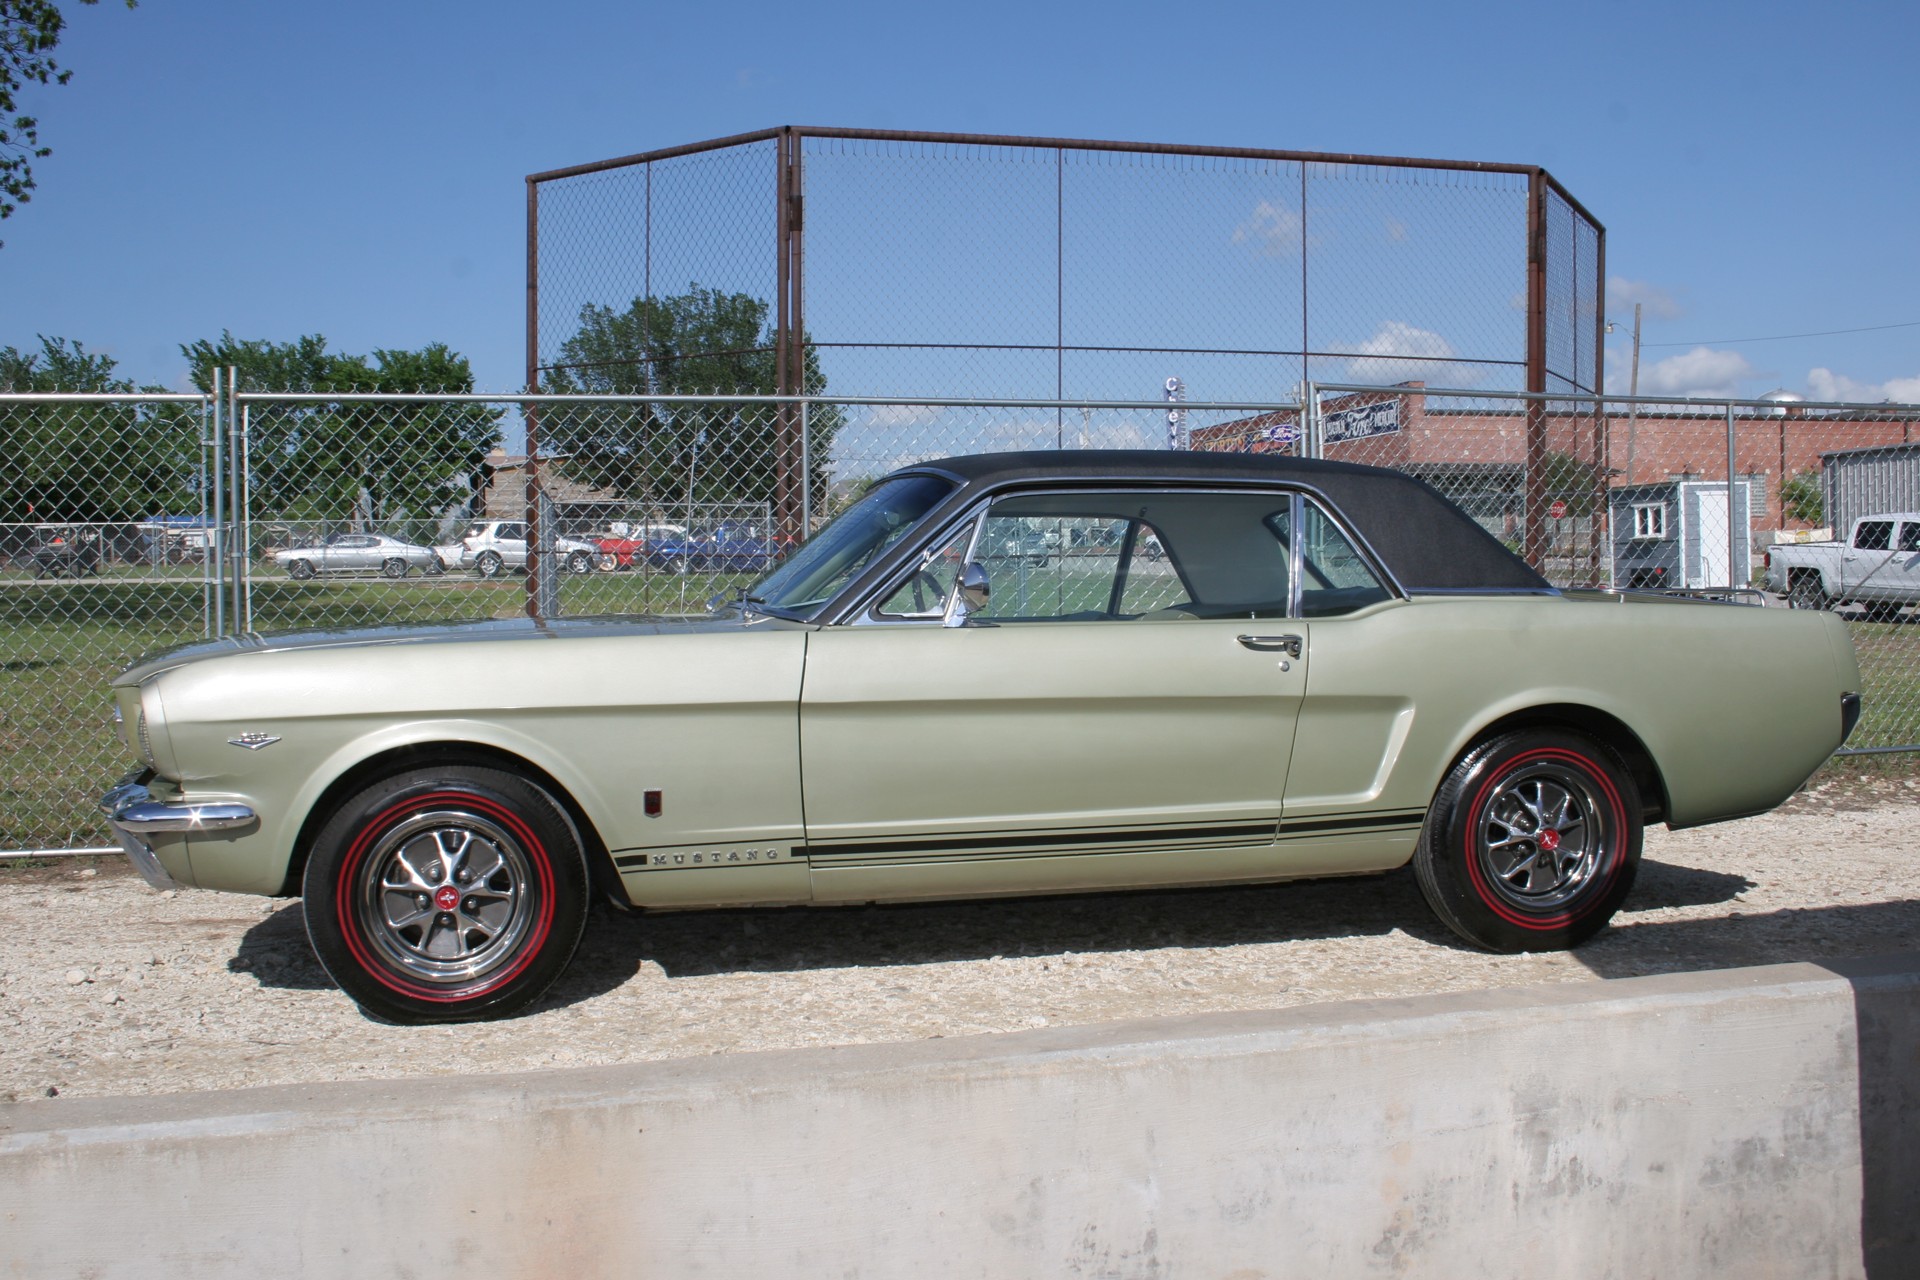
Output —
(970, 595)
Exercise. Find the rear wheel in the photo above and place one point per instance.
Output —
(446, 895)
(1805, 592)
(393, 568)
(1532, 842)
(300, 570)
(488, 564)
(608, 562)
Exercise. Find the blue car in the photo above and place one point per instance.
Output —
(730, 548)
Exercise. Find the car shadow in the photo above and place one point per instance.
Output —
(803, 938)
(276, 953)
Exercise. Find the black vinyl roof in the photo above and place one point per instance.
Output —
(1425, 541)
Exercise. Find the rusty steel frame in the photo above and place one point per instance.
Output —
(790, 342)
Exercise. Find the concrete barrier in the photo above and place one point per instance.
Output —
(1748, 1123)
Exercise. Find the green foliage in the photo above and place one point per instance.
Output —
(29, 33)
(1572, 481)
(1802, 498)
(700, 342)
(378, 462)
(91, 461)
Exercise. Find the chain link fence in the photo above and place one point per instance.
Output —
(132, 523)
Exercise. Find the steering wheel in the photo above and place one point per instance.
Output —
(924, 578)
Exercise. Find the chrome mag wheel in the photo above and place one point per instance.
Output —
(446, 896)
(1541, 837)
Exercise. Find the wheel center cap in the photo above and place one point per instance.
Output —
(1549, 840)
(446, 897)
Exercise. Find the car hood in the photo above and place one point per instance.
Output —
(444, 633)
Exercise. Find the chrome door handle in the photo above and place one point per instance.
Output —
(1289, 645)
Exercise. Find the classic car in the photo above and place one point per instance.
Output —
(491, 547)
(1330, 671)
(619, 550)
(730, 548)
(358, 553)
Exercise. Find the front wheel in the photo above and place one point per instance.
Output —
(393, 568)
(300, 570)
(579, 562)
(1805, 592)
(488, 564)
(446, 895)
(1532, 842)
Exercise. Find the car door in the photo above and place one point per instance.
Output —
(1866, 560)
(1906, 559)
(1109, 719)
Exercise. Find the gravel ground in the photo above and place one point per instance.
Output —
(110, 988)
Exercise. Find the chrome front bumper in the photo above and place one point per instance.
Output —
(132, 812)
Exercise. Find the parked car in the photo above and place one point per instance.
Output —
(66, 553)
(1333, 671)
(358, 553)
(491, 547)
(1877, 567)
(619, 551)
(730, 548)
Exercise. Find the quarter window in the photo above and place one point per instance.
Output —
(1910, 536)
(1874, 535)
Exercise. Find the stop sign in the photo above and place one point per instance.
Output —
(1557, 509)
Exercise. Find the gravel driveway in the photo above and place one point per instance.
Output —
(107, 987)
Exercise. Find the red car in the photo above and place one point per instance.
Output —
(618, 551)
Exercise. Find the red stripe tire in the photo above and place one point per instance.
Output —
(446, 895)
(1532, 842)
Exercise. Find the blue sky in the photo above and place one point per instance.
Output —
(355, 168)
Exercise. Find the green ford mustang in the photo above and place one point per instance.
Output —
(1007, 674)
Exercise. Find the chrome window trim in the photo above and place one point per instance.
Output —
(860, 605)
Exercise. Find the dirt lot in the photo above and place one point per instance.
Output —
(107, 987)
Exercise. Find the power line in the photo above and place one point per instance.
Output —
(1782, 337)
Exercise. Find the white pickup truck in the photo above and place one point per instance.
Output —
(1877, 567)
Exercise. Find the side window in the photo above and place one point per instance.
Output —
(511, 532)
(1874, 535)
(1051, 566)
(1910, 536)
(1334, 577)
(924, 594)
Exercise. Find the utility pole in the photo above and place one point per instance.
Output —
(1633, 389)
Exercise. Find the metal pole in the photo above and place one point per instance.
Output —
(244, 518)
(806, 471)
(213, 608)
(1312, 446)
(1633, 389)
(1535, 498)
(236, 467)
(1733, 544)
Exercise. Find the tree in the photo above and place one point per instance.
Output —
(701, 342)
(29, 32)
(91, 461)
(1802, 498)
(376, 463)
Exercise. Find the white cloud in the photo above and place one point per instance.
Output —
(1699, 372)
(1622, 293)
(1825, 384)
(1387, 357)
(1273, 230)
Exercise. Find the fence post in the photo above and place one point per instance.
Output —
(232, 555)
(1733, 542)
(1311, 445)
(213, 607)
(806, 470)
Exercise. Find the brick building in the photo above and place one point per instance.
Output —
(1476, 454)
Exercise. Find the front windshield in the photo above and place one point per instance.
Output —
(854, 539)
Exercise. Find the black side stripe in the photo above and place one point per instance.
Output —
(1378, 821)
(1136, 835)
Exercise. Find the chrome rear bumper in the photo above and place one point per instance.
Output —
(132, 812)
